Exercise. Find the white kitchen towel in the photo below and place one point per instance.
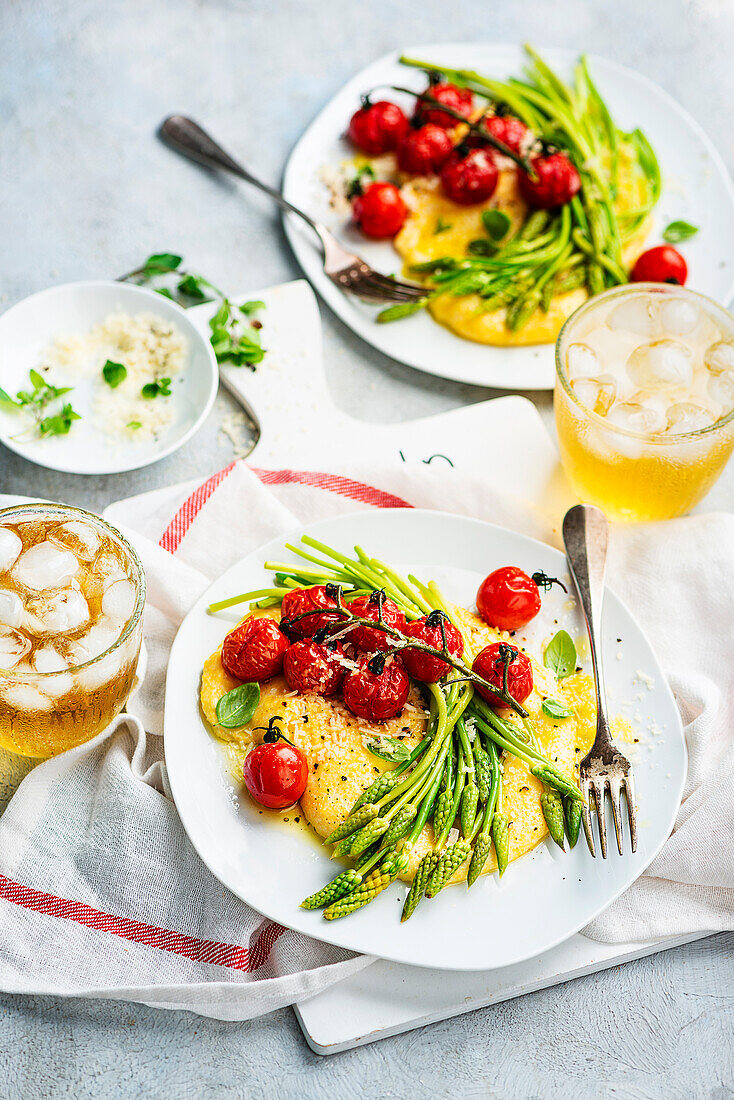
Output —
(101, 893)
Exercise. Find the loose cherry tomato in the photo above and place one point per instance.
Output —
(306, 610)
(368, 607)
(276, 774)
(376, 128)
(377, 689)
(556, 184)
(662, 264)
(254, 650)
(458, 99)
(422, 152)
(508, 598)
(308, 666)
(380, 211)
(490, 666)
(470, 179)
(424, 666)
(507, 129)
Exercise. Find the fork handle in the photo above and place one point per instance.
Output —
(586, 538)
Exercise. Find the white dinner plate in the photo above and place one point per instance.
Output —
(545, 896)
(696, 188)
(30, 326)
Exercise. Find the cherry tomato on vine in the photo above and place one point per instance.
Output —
(490, 665)
(422, 152)
(380, 211)
(254, 650)
(507, 129)
(376, 128)
(308, 666)
(508, 598)
(458, 99)
(276, 774)
(556, 184)
(470, 179)
(306, 610)
(663, 264)
(376, 692)
(424, 666)
(368, 607)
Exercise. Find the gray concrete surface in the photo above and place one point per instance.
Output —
(88, 192)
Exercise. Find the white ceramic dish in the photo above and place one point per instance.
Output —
(546, 896)
(30, 326)
(696, 187)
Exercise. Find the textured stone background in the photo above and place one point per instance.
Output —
(88, 192)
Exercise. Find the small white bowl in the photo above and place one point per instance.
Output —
(28, 328)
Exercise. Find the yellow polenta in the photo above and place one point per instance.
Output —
(341, 767)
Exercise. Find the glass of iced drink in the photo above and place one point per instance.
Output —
(644, 399)
(72, 592)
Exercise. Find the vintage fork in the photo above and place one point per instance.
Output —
(586, 536)
(347, 271)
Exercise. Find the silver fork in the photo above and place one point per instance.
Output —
(586, 537)
(349, 272)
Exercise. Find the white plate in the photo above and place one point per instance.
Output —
(28, 328)
(546, 896)
(696, 187)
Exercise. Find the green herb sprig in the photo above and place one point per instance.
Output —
(38, 401)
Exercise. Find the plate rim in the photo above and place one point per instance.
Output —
(383, 516)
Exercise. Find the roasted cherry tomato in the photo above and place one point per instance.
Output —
(422, 152)
(306, 610)
(376, 128)
(424, 666)
(458, 99)
(507, 129)
(470, 179)
(254, 650)
(276, 774)
(308, 666)
(368, 607)
(380, 211)
(556, 184)
(490, 665)
(377, 689)
(663, 264)
(508, 598)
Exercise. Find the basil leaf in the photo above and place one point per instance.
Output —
(59, 424)
(37, 380)
(237, 707)
(560, 654)
(403, 309)
(442, 226)
(168, 260)
(192, 287)
(133, 424)
(114, 373)
(554, 709)
(152, 389)
(250, 307)
(679, 231)
(481, 247)
(388, 748)
(496, 222)
(6, 399)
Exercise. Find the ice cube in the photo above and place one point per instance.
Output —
(597, 394)
(10, 548)
(721, 391)
(686, 417)
(23, 696)
(45, 566)
(118, 600)
(57, 679)
(108, 566)
(633, 315)
(11, 608)
(719, 357)
(81, 538)
(678, 316)
(13, 647)
(660, 365)
(98, 638)
(57, 612)
(635, 417)
(583, 362)
(101, 672)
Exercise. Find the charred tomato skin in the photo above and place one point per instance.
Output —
(368, 607)
(423, 152)
(254, 650)
(376, 128)
(508, 598)
(662, 264)
(424, 666)
(556, 184)
(380, 211)
(489, 665)
(374, 695)
(310, 667)
(316, 603)
(458, 99)
(470, 179)
(276, 774)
